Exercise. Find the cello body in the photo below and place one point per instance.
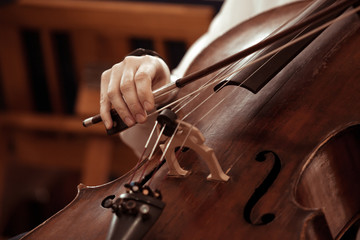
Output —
(291, 151)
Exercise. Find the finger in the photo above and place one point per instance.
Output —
(115, 95)
(105, 104)
(129, 93)
(143, 82)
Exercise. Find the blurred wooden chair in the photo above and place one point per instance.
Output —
(99, 35)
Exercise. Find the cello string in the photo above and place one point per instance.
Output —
(153, 149)
(165, 151)
(144, 150)
(212, 81)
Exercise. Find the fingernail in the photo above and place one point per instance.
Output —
(148, 106)
(129, 121)
(140, 117)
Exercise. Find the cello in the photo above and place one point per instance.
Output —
(291, 151)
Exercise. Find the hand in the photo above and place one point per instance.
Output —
(127, 87)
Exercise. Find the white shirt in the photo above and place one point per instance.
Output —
(231, 13)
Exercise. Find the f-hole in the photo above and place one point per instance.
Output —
(262, 189)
